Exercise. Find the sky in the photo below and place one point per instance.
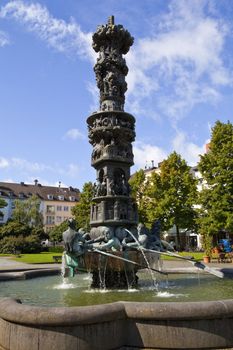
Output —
(180, 82)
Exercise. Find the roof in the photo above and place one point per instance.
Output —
(24, 191)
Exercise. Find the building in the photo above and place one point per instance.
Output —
(56, 202)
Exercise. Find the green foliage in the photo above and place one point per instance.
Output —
(28, 212)
(81, 210)
(12, 228)
(216, 167)
(207, 244)
(57, 249)
(137, 186)
(32, 244)
(55, 234)
(3, 204)
(17, 236)
(39, 232)
(11, 244)
(171, 195)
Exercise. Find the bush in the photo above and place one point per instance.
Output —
(58, 249)
(12, 244)
(15, 229)
(30, 244)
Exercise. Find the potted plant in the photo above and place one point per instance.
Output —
(207, 245)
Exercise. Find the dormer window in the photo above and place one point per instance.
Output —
(61, 198)
(21, 195)
(72, 198)
(50, 196)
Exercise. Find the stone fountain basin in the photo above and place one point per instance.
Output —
(120, 325)
(92, 261)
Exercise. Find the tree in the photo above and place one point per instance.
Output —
(81, 210)
(55, 234)
(3, 204)
(28, 212)
(216, 167)
(137, 185)
(15, 236)
(25, 230)
(172, 195)
(14, 228)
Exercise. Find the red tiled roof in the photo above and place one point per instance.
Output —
(22, 190)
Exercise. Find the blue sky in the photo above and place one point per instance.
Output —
(180, 81)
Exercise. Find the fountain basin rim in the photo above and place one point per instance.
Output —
(8, 275)
(14, 311)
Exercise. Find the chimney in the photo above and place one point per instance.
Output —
(111, 20)
(152, 163)
(22, 183)
(36, 182)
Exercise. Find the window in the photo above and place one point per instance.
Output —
(58, 219)
(50, 196)
(50, 209)
(21, 195)
(61, 198)
(59, 208)
(72, 198)
(50, 220)
(66, 208)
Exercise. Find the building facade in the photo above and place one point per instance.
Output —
(55, 206)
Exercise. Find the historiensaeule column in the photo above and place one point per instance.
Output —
(112, 131)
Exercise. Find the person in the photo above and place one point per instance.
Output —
(108, 240)
(141, 240)
(69, 236)
(82, 242)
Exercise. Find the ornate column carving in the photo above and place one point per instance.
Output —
(111, 130)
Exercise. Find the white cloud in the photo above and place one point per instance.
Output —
(145, 153)
(188, 150)
(74, 134)
(58, 34)
(4, 39)
(94, 91)
(182, 63)
(29, 171)
(4, 163)
(25, 165)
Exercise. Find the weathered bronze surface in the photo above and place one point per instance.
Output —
(112, 131)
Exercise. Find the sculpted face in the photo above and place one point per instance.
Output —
(108, 233)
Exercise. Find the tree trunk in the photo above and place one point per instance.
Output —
(178, 238)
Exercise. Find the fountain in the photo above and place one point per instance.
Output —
(114, 218)
(115, 250)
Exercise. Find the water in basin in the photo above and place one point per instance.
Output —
(56, 291)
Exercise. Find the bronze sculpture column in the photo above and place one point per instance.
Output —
(112, 131)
